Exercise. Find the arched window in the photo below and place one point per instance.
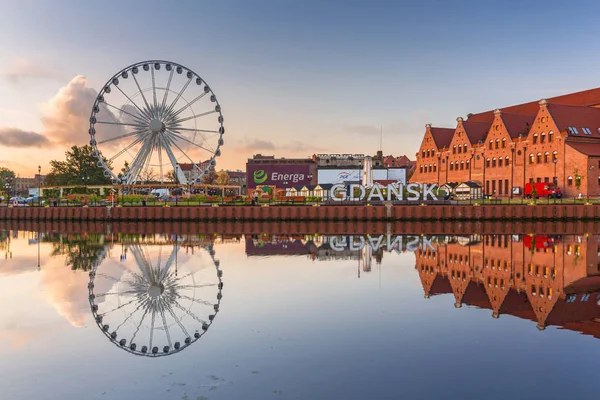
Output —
(535, 138)
(423, 154)
(570, 181)
(507, 160)
(531, 158)
(504, 143)
(487, 163)
(539, 158)
(497, 143)
(465, 148)
(427, 153)
(459, 149)
(434, 167)
(432, 152)
(500, 161)
(454, 150)
(491, 144)
(430, 168)
(543, 138)
(468, 164)
(550, 135)
(554, 155)
(546, 158)
(462, 165)
(494, 162)
(452, 166)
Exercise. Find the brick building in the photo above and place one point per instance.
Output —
(548, 280)
(553, 140)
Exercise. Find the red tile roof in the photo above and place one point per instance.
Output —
(442, 136)
(589, 149)
(476, 131)
(517, 124)
(391, 161)
(577, 117)
(586, 98)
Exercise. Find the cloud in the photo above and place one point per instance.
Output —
(296, 148)
(14, 137)
(22, 69)
(66, 115)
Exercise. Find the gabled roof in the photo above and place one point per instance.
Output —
(577, 117)
(589, 149)
(476, 131)
(586, 98)
(517, 124)
(442, 136)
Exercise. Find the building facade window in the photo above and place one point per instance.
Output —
(543, 138)
(465, 147)
(570, 181)
(507, 160)
(500, 161)
(546, 157)
(468, 164)
(531, 158)
(504, 143)
(555, 156)
(451, 166)
(535, 138)
(459, 149)
(434, 167)
(454, 150)
(491, 144)
(487, 163)
(539, 158)
(550, 135)
(497, 143)
(462, 165)
(494, 162)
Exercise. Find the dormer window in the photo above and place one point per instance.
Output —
(586, 131)
(573, 130)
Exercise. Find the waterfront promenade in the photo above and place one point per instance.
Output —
(501, 212)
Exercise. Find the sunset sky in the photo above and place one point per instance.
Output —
(294, 78)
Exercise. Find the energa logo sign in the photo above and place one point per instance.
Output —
(260, 176)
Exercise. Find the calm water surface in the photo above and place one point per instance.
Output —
(172, 316)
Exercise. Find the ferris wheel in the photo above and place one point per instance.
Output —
(149, 305)
(152, 117)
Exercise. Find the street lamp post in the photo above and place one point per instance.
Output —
(555, 161)
(39, 184)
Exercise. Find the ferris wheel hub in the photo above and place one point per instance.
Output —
(155, 290)
(156, 126)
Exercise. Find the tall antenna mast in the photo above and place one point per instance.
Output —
(380, 137)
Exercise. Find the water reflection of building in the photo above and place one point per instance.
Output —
(551, 280)
(317, 248)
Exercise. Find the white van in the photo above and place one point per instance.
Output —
(161, 192)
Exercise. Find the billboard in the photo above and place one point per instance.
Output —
(279, 175)
(333, 176)
(397, 174)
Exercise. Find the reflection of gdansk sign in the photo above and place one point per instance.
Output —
(415, 192)
(389, 242)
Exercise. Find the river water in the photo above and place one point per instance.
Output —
(210, 316)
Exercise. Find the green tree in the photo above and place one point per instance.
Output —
(123, 170)
(6, 177)
(171, 176)
(80, 163)
(80, 252)
(222, 178)
(210, 178)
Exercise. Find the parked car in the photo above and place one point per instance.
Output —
(542, 189)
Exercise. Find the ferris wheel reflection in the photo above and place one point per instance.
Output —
(153, 299)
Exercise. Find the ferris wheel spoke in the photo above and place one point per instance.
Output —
(119, 293)
(170, 310)
(189, 141)
(142, 112)
(118, 137)
(153, 85)
(178, 121)
(180, 176)
(140, 159)
(137, 117)
(195, 286)
(188, 312)
(165, 327)
(162, 177)
(203, 302)
(119, 307)
(137, 141)
(189, 105)
(152, 326)
(196, 130)
(170, 108)
(141, 92)
(146, 309)
(164, 102)
(131, 314)
(122, 124)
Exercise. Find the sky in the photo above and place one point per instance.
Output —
(293, 78)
